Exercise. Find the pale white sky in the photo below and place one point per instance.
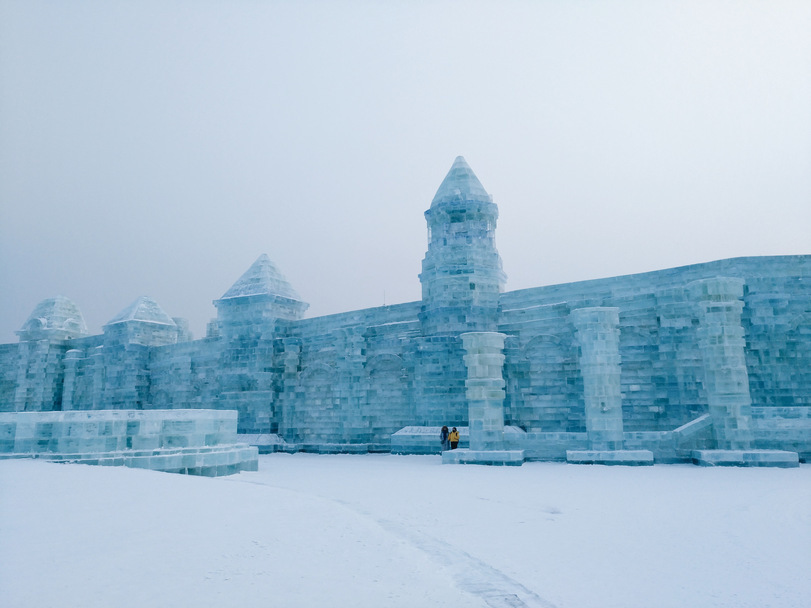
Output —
(157, 148)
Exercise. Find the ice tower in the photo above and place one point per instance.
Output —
(121, 366)
(253, 304)
(461, 273)
(248, 315)
(461, 281)
(44, 340)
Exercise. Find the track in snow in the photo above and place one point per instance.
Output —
(470, 573)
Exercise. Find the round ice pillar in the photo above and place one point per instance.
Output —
(484, 360)
(598, 334)
(721, 340)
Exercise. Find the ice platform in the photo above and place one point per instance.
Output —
(631, 458)
(214, 461)
(745, 458)
(195, 442)
(423, 440)
(486, 457)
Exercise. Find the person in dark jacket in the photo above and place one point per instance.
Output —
(454, 438)
(443, 437)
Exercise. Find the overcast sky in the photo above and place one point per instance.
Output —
(159, 147)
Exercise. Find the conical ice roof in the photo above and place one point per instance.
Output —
(460, 183)
(57, 316)
(262, 278)
(143, 309)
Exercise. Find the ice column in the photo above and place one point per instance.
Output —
(21, 392)
(598, 334)
(39, 376)
(349, 390)
(98, 378)
(69, 387)
(485, 389)
(291, 359)
(721, 340)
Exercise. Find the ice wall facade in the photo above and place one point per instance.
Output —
(710, 355)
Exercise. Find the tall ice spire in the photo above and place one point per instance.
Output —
(461, 273)
(460, 183)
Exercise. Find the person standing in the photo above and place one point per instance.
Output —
(454, 438)
(443, 437)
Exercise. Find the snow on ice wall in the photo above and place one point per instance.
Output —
(347, 382)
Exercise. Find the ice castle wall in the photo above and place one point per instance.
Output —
(706, 356)
(357, 378)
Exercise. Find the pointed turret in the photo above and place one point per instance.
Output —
(143, 309)
(262, 278)
(43, 342)
(461, 273)
(253, 304)
(143, 322)
(55, 318)
(460, 184)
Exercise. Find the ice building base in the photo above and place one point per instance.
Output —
(746, 458)
(486, 457)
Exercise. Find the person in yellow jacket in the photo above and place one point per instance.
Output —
(454, 438)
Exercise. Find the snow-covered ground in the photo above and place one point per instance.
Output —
(382, 530)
